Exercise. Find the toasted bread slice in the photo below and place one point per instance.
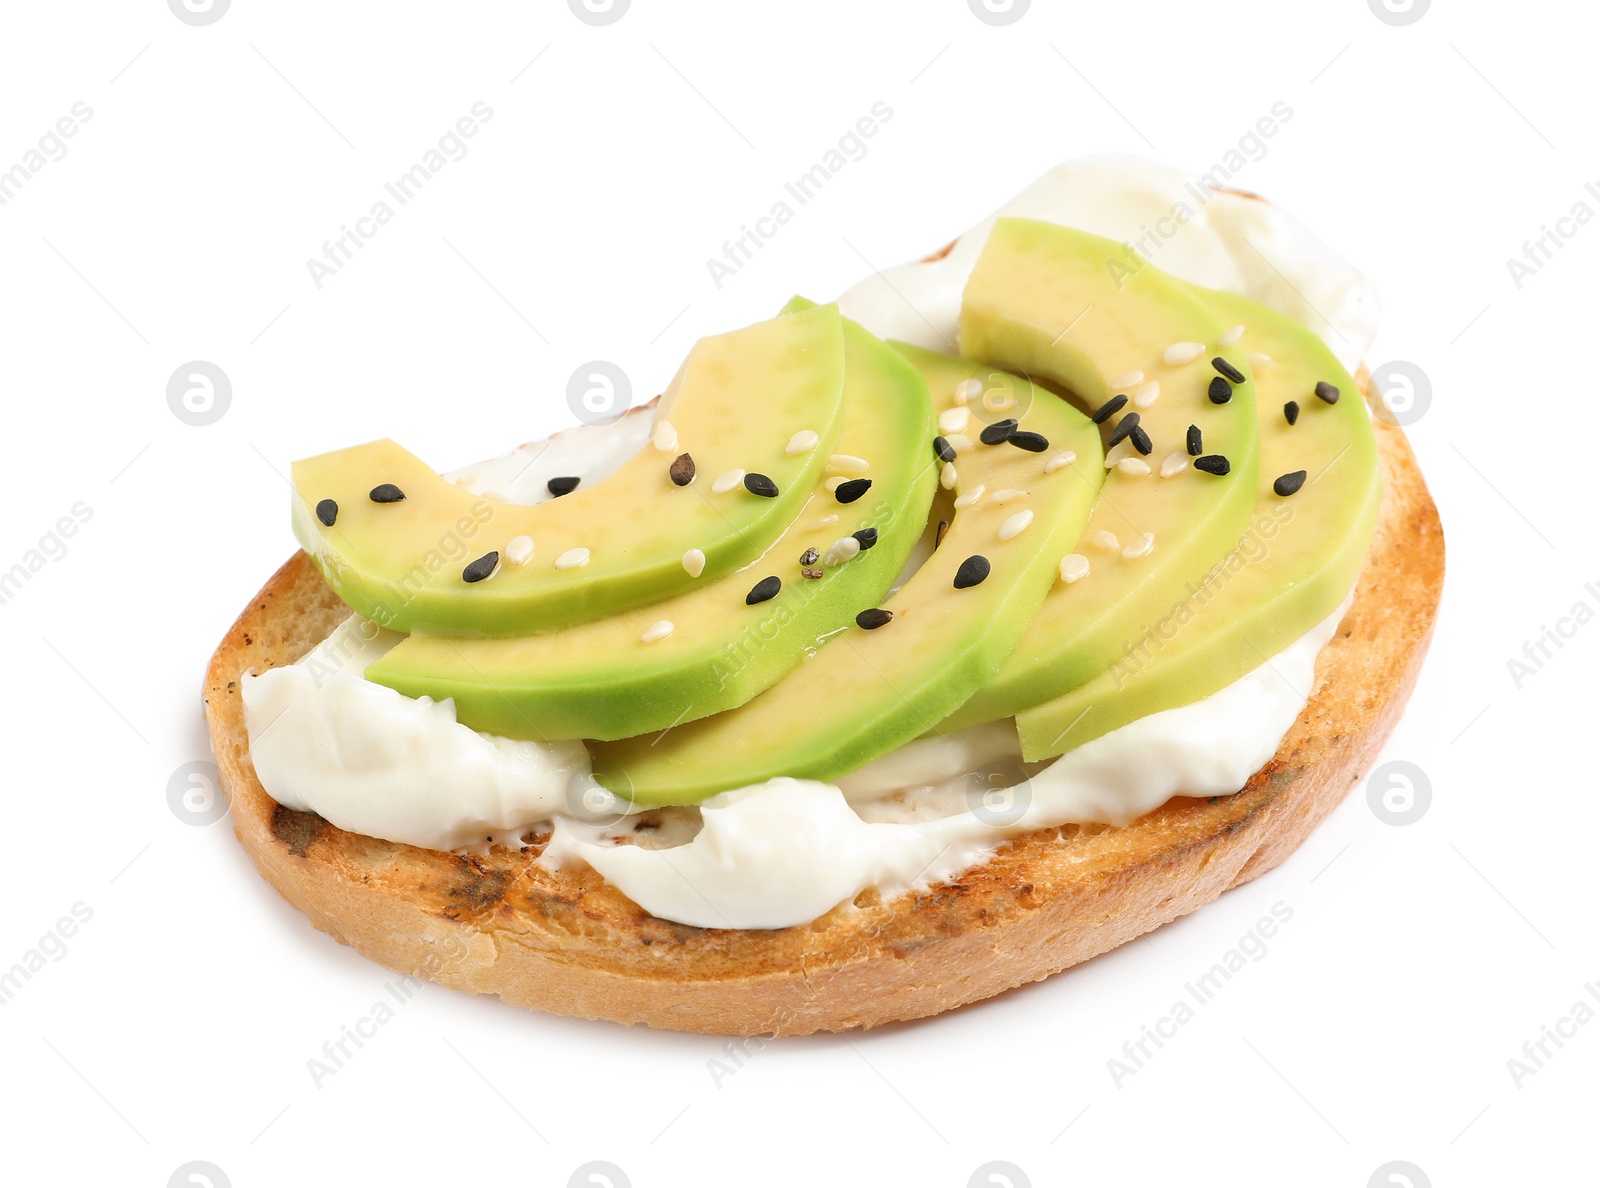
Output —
(572, 944)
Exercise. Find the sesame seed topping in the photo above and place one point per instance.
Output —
(484, 567)
(1327, 391)
(1015, 525)
(972, 571)
(810, 571)
(694, 562)
(564, 485)
(760, 484)
(1147, 395)
(1182, 352)
(996, 433)
(967, 498)
(327, 512)
(1009, 495)
(1287, 484)
(1227, 370)
(1139, 546)
(1212, 464)
(1105, 540)
(681, 472)
(810, 557)
(1291, 411)
(386, 493)
(871, 620)
(519, 550)
(939, 532)
(658, 630)
(960, 443)
(969, 389)
(1057, 461)
(943, 450)
(1220, 391)
(1034, 443)
(837, 481)
(1174, 463)
(954, 420)
(1074, 566)
(728, 481)
(665, 438)
(1141, 440)
(573, 559)
(805, 440)
(848, 463)
(1230, 336)
(851, 491)
(841, 550)
(1108, 410)
(825, 521)
(1257, 360)
(947, 475)
(763, 590)
(1128, 379)
(1123, 449)
(1124, 429)
(1191, 441)
(866, 538)
(1137, 467)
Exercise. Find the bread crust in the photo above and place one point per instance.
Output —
(570, 943)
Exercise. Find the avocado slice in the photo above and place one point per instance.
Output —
(907, 663)
(1315, 507)
(413, 552)
(626, 674)
(1094, 317)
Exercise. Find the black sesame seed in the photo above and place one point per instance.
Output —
(944, 450)
(1212, 464)
(1220, 391)
(386, 493)
(998, 432)
(1288, 484)
(849, 492)
(972, 571)
(1291, 411)
(1141, 440)
(1327, 391)
(867, 537)
(760, 484)
(1125, 427)
(766, 588)
(871, 620)
(1108, 410)
(1034, 443)
(477, 570)
(938, 533)
(1192, 440)
(681, 472)
(809, 557)
(327, 512)
(1228, 370)
(563, 486)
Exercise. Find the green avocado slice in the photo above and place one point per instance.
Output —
(1094, 317)
(622, 676)
(1298, 559)
(437, 558)
(1017, 508)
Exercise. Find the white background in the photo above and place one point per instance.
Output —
(178, 1024)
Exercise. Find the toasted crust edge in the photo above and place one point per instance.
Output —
(569, 943)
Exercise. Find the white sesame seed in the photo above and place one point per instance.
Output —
(841, 550)
(519, 550)
(1147, 395)
(1105, 540)
(1014, 525)
(657, 630)
(805, 440)
(947, 475)
(836, 481)
(1127, 379)
(1174, 463)
(1139, 546)
(967, 389)
(1182, 352)
(694, 563)
(1123, 449)
(960, 443)
(573, 559)
(967, 498)
(665, 438)
(825, 521)
(1137, 467)
(953, 420)
(848, 463)
(1257, 359)
(1073, 567)
(1009, 495)
(1064, 458)
(727, 482)
(1230, 336)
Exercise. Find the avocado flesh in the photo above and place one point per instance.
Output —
(601, 680)
(1082, 311)
(401, 564)
(1296, 562)
(867, 692)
